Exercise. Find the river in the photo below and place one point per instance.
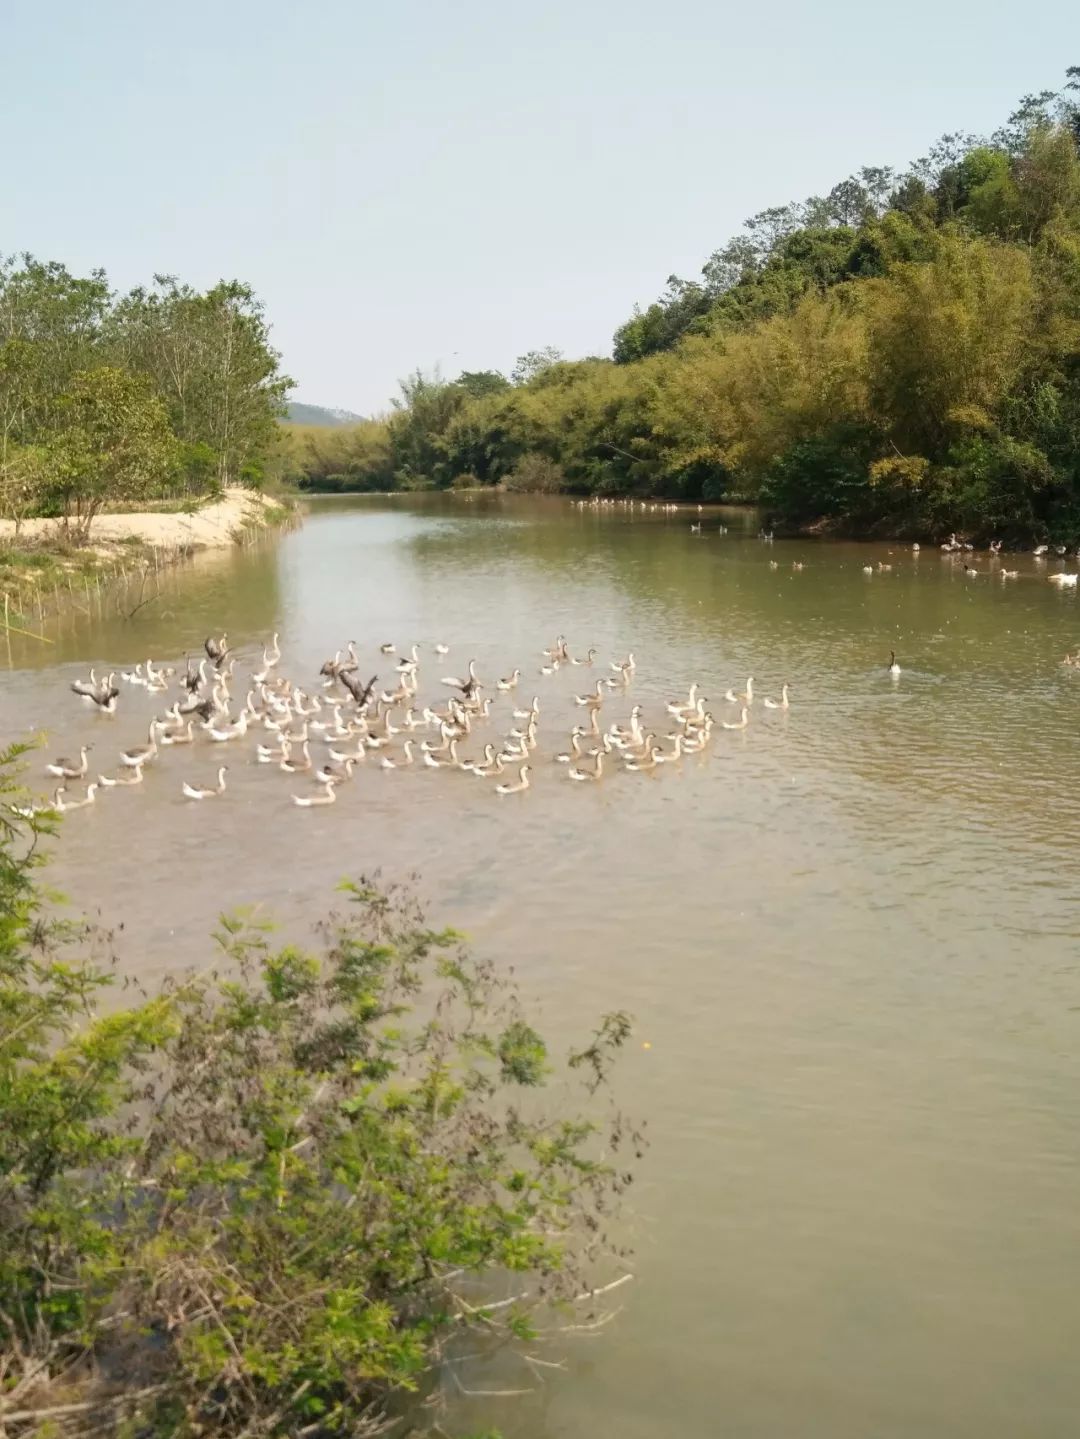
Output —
(850, 934)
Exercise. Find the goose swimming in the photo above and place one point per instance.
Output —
(675, 753)
(221, 734)
(521, 785)
(782, 703)
(120, 779)
(328, 796)
(297, 766)
(588, 774)
(63, 805)
(341, 756)
(1065, 581)
(64, 768)
(143, 752)
(744, 720)
(678, 708)
(467, 685)
(406, 757)
(195, 792)
(747, 697)
(183, 736)
(575, 751)
(594, 700)
(335, 773)
(647, 760)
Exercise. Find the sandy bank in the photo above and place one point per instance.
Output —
(212, 527)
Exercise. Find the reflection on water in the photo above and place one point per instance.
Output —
(849, 934)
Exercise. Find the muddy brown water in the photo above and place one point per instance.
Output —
(850, 934)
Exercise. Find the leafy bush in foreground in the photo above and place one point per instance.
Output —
(282, 1195)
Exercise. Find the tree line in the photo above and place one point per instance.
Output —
(109, 398)
(899, 356)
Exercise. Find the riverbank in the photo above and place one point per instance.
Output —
(42, 569)
(212, 526)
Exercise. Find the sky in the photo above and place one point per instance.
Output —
(446, 184)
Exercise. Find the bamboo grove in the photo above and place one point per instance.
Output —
(900, 356)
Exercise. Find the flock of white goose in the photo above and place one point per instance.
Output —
(357, 723)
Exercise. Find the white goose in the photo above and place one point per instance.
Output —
(223, 733)
(647, 760)
(142, 753)
(587, 774)
(341, 755)
(62, 805)
(594, 700)
(450, 762)
(1065, 581)
(469, 683)
(64, 768)
(744, 720)
(679, 709)
(510, 682)
(328, 796)
(521, 785)
(746, 698)
(575, 752)
(335, 773)
(298, 766)
(135, 777)
(782, 703)
(675, 753)
(406, 757)
(182, 736)
(192, 791)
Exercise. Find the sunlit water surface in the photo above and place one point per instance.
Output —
(849, 934)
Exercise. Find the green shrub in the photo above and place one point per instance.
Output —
(280, 1195)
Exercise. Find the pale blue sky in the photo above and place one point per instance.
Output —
(419, 183)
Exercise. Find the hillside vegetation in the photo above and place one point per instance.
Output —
(899, 356)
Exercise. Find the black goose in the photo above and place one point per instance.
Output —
(360, 693)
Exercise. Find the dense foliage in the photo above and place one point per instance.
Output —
(287, 1193)
(107, 398)
(901, 355)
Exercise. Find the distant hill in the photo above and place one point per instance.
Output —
(299, 414)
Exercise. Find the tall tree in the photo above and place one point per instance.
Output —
(115, 444)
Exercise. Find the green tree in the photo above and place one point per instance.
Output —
(50, 328)
(529, 366)
(115, 444)
(210, 360)
(477, 383)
